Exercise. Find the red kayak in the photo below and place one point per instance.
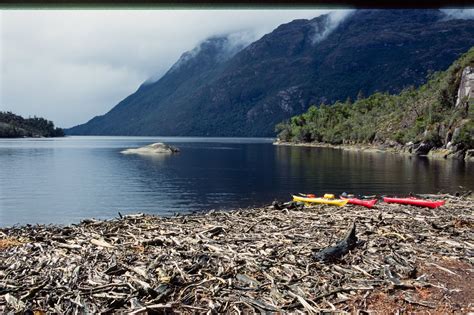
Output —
(416, 202)
(366, 203)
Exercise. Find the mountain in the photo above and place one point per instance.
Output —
(222, 89)
(437, 118)
(14, 126)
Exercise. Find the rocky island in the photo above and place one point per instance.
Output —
(152, 149)
(15, 126)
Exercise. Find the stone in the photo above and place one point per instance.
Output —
(441, 153)
(408, 147)
(466, 87)
(459, 154)
(155, 148)
(423, 148)
(456, 133)
(449, 136)
(469, 156)
(442, 132)
(392, 143)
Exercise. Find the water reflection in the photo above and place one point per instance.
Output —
(65, 180)
(371, 172)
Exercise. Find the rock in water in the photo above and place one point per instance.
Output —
(155, 148)
(469, 155)
(423, 148)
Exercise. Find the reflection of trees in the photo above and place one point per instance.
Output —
(332, 170)
(444, 175)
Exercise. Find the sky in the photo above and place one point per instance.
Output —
(71, 65)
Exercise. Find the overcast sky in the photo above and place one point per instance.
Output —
(71, 65)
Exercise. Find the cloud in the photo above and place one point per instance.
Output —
(71, 65)
(226, 47)
(330, 23)
(463, 14)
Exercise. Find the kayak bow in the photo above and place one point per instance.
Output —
(334, 202)
(416, 202)
(359, 202)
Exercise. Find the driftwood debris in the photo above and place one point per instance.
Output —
(332, 253)
(245, 261)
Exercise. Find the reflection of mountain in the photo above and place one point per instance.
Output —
(218, 90)
(201, 177)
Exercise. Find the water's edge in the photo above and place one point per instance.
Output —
(435, 154)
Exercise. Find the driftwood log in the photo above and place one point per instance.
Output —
(333, 253)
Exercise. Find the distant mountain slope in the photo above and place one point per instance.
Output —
(217, 91)
(437, 115)
(14, 126)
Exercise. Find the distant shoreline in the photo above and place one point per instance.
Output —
(346, 147)
(437, 154)
(33, 137)
(16, 127)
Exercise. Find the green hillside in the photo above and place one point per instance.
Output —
(14, 126)
(425, 116)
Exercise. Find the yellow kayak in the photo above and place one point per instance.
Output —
(334, 202)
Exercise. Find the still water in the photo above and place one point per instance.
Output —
(69, 179)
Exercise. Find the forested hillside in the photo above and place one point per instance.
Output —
(14, 126)
(439, 114)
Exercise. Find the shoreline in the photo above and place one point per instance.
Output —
(251, 260)
(345, 147)
(436, 153)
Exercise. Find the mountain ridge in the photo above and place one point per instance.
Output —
(285, 71)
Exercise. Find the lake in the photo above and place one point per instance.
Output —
(65, 180)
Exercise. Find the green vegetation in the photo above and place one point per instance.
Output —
(425, 114)
(14, 126)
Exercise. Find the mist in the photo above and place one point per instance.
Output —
(464, 14)
(331, 23)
